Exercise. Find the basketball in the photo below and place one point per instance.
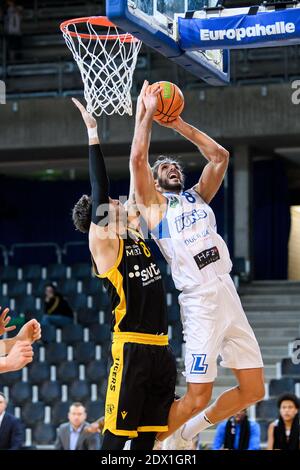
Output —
(170, 102)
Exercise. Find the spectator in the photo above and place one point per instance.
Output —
(57, 310)
(13, 30)
(238, 433)
(283, 434)
(11, 428)
(73, 435)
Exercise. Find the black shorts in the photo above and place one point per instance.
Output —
(141, 388)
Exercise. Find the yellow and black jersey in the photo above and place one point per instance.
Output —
(135, 287)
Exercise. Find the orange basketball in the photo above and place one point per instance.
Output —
(170, 102)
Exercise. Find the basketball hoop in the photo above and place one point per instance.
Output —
(106, 59)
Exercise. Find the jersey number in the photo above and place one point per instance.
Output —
(145, 249)
(189, 197)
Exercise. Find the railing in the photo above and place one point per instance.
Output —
(55, 246)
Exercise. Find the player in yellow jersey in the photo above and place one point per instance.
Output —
(142, 377)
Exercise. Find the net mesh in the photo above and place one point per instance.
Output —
(106, 62)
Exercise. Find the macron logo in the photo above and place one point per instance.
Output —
(256, 31)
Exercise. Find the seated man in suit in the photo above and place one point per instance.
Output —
(73, 435)
(11, 428)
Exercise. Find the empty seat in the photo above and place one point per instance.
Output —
(81, 270)
(44, 434)
(56, 272)
(177, 331)
(38, 287)
(176, 346)
(11, 378)
(20, 393)
(290, 369)
(169, 284)
(162, 264)
(48, 333)
(4, 301)
(32, 413)
(95, 410)
(78, 301)
(25, 304)
(56, 353)
(72, 334)
(38, 372)
(84, 353)
(279, 386)
(32, 272)
(50, 392)
(67, 372)
(100, 333)
(8, 273)
(264, 425)
(16, 288)
(96, 370)
(87, 316)
(92, 286)
(101, 301)
(79, 390)
(267, 409)
(59, 412)
(68, 286)
(102, 388)
(174, 313)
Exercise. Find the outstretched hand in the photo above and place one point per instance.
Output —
(89, 120)
(4, 321)
(150, 98)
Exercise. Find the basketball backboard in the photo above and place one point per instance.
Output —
(154, 22)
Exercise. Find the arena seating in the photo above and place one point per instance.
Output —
(71, 363)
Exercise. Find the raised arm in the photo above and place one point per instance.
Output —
(148, 199)
(103, 241)
(217, 156)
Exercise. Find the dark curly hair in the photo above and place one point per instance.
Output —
(82, 214)
(289, 397)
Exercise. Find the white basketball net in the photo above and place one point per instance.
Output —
(106, 66)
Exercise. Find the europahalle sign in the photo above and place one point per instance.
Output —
(265, 29)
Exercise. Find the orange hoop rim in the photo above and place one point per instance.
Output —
(96, 21)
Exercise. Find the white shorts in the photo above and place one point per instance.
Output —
(214, 323)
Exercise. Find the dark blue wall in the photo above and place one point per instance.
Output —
(40, 211)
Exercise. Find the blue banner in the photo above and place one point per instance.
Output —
(273, 28)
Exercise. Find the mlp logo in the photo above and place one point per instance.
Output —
(199, 366)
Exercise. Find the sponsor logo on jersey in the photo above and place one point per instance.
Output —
(109, 409)
(133, 250)
(174, 201)
(197, 236)
(207, 257)
(199, 365)
(148, 275)
(187, 219)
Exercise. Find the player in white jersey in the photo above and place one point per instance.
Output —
(184, 227)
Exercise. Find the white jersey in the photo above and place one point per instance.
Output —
(187, 237)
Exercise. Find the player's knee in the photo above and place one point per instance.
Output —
(200, 402)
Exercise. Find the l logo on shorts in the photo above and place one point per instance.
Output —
(199, 366)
